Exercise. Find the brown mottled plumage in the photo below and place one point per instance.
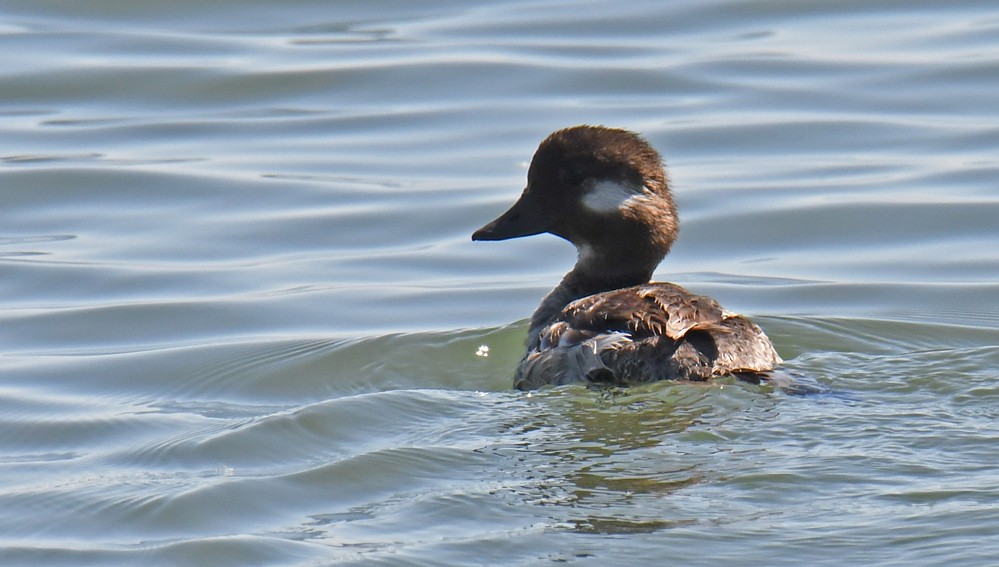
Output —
(605, 190)
(655, 331)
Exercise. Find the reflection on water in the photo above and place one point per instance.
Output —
(608, 461)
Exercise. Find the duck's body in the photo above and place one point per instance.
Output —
(605, 191)
(643, 333)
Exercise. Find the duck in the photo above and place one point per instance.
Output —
(605, 190)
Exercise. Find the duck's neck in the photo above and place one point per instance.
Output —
(580, 282)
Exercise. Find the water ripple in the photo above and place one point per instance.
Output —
(243, 321)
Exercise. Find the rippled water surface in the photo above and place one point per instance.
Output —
(242, 320)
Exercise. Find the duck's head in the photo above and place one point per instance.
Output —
(604, 190)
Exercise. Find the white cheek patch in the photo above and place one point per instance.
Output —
(611, 196)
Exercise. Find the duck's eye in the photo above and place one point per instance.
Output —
(572, 175)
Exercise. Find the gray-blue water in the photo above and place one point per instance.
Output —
(241, 317)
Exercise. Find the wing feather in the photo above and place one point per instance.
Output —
(656, 331)
(652, 309)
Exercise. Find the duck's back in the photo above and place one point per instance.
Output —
(655, 331)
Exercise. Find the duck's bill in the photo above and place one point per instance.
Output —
(523, 219)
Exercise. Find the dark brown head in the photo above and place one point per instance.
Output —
(604, 190)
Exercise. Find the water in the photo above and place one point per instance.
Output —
(242, 318)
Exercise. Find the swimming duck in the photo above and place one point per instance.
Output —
(605, 190)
